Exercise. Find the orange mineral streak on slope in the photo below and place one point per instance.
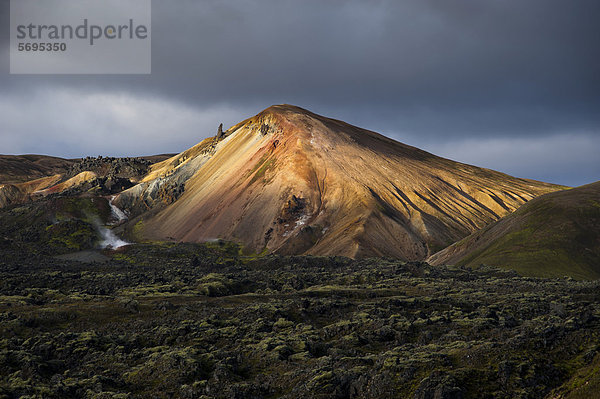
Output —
(296, 182)
(21, 192)
(40, 184)
(74, 181)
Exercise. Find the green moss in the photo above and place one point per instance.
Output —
(262, 167)
(124, 258)
(552, 241)
(90, 210)
(289, 326)
(70, 235)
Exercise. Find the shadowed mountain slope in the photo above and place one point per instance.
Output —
(22, 168)
(291, 181)
(555, 235)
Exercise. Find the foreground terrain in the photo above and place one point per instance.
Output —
(163, 320)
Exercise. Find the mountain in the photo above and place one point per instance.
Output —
(293, 182)
(554, 235)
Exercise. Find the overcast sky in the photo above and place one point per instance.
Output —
(510, 85)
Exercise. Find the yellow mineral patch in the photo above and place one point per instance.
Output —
(74, 181)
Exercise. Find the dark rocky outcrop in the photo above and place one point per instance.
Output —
(130, 168)
(292, 210)
(220, 133)
(264, 129)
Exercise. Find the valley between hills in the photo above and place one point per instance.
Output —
(294, 256)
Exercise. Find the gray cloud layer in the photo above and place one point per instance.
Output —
(476, 81)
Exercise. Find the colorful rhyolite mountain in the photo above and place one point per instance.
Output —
(290, 181)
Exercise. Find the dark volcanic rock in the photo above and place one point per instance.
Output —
(220, 133)
(438, 385)
(128, 168)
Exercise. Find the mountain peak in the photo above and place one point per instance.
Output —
(285, 108)
(281, 113)
(285, 121)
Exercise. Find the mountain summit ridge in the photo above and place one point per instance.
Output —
(294, 182)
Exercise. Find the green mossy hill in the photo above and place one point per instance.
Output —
(175, 321)
(585, 384)
(52, 226)
(554, 235)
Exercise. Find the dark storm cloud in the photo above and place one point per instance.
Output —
(447, 76)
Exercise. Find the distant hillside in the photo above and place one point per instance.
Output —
(22, 168)
(557, 234)
(103, 175)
